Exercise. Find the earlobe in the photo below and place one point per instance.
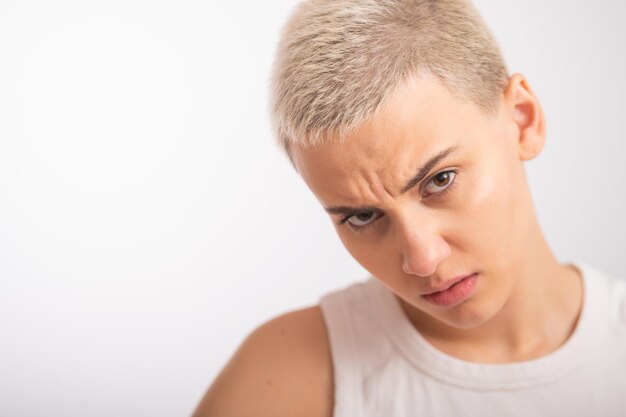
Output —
(527, 114)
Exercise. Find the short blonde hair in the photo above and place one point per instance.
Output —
(337, 61)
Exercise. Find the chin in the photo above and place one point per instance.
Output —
(467, 315)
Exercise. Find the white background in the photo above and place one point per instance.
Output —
(148, 222)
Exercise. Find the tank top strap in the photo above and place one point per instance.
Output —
(359, 346)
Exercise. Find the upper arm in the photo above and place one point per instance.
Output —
(283, 368)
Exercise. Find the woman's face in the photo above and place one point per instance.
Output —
(470, 210)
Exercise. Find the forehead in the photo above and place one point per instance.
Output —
(420, 119)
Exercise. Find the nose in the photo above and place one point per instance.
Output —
(422, 247)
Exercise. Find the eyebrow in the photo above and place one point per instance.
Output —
(417, 178)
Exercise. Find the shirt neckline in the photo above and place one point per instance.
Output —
(483, 376)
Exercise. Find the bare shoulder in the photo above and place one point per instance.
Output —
(283, 368)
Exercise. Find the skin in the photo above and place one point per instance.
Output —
(482, 222)
(282, 369)
(478, 220)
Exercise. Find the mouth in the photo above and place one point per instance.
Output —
(458, 290)
(446, 285)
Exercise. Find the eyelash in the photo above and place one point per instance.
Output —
(361, 229)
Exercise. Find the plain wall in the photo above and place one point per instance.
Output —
(148, 222)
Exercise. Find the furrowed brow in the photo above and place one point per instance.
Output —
(349, 210)
(419, 176)
(425, 169)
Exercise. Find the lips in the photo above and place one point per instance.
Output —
(445, 285)
(455, 295)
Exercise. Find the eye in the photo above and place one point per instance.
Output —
(361, 220)
(440, 181)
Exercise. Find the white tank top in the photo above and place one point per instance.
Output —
(383, 367)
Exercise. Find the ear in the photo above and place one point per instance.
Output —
(524, 109)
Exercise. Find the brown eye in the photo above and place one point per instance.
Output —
(440, 182)
(362, 219)
(442, 179)
(364, 216)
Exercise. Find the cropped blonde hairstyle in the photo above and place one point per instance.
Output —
(337, 61)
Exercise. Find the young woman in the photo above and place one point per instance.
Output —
(402, 119)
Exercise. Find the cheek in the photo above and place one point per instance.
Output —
(487, 210)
